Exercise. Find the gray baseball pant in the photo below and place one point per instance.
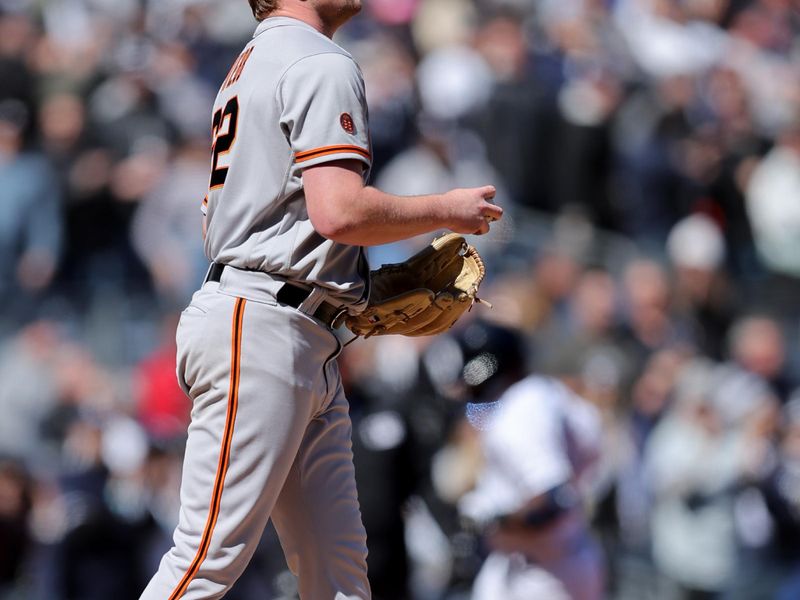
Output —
(269, 436)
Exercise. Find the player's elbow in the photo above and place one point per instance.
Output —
(337, 217)
(329, 228)
(331, 222)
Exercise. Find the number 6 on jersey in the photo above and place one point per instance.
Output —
(223, 142)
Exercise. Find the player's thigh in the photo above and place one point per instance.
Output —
(249, 416)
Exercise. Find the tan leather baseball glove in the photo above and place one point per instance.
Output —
(424, 295)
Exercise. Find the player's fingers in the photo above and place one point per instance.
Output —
(484, 228)
(488, 192)
(492, 212)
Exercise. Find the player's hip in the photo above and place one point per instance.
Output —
(271, 341)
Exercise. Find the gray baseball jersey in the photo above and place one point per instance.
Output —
(292, 100)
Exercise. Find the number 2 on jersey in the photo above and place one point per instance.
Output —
(223, 142)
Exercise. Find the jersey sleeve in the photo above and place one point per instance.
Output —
(323, 110)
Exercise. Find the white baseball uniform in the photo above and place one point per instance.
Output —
(270, 430)
(539, 436)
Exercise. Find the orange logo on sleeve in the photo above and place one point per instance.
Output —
(347, 123)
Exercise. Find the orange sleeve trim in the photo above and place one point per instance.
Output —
(205, 201)
(328, 150)
(224, 454)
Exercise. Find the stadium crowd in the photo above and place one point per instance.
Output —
(647, 153)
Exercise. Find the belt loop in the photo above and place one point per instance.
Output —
(209, 272)
(214, 272)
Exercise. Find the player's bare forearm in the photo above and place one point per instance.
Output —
(372, 217)
(341, 208)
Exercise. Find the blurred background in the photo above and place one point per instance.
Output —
(647, 154)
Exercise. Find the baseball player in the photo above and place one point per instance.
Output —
(536, 445)
(539, 442)
(286, 217)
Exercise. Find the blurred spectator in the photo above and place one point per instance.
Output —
(647, 303)
(702, 294)
(667, 39)
(443, 24)
(27, 365)
(625, 496)
(163, 409)
(389, 72)
(595, 305)
(514, 122)
(537, 297)
(757, 344)
(759, 51)
(183, 98)
(717, 415)
(781, 496)
(31, 225)
(62, 119)
(166, 227)
(771, 204)
(595, 343)
(95, 558)
(15, 508)
(393, 12)
(582, 175)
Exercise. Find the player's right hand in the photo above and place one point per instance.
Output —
(471, 209)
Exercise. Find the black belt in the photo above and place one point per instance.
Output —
(292, 295)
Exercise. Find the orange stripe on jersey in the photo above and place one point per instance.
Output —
(328, 150)
(224, 454)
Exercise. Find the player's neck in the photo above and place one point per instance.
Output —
(307, 15)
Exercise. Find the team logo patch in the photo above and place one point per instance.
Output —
(347, 123)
